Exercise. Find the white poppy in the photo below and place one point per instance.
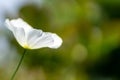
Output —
(31, 38)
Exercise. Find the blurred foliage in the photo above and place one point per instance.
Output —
(91, 40)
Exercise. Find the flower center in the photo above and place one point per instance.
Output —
(26, 46)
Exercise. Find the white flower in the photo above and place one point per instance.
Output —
(31, 38)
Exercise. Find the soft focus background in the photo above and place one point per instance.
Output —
(90, 30)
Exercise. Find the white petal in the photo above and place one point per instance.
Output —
(20, 23)
(9, 25)
(33, 35)
(57, 41)
(18, 32)
(38, 39)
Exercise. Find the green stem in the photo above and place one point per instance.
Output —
(18, 65)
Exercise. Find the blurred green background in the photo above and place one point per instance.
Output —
(90, 30)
